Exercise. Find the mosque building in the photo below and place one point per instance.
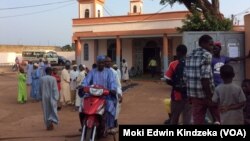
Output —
(135, 37)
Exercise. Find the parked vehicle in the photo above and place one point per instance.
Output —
(62, 60)
(36, 55)
(93, 110)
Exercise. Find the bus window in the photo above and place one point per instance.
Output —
(49, 55)
(36, 55)
(27, 54)
(54, 55)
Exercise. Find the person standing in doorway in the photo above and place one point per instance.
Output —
(152, 66)
(50, 96)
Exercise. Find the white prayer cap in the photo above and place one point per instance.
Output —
(35, 64)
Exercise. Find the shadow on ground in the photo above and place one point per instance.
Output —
(131, 85)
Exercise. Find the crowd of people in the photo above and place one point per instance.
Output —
(203, 88)
(202, 84)
(58, 88)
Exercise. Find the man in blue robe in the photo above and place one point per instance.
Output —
(50, 96)
(35, 83)
(105, 77)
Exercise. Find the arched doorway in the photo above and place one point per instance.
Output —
(150, 50)
(111, 50)
(86, 13)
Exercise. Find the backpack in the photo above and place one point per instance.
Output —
(178, 82)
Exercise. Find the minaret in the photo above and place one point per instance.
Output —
(135, 7)
(90, 8)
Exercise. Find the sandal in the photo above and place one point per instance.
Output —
(50, 127)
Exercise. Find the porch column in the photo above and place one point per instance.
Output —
(118, 51)
(247, 44)
(95, 49)
(78, 51)
(165, 52)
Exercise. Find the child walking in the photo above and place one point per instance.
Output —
(22, 91)
(230, 98)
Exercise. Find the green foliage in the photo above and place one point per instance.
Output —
(210, 20)
(195, 22)
(68, 48)
(171, 2)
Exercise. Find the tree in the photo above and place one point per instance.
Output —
(195, 22)
(205, 7)
(205, 15)
(67, 48)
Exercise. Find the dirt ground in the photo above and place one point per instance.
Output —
(142, 104)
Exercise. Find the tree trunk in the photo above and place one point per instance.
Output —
(216, 9)
(205, 7)
(209, 9)
(188, 5)
(216, 5)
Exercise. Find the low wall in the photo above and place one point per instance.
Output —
(8, 58)
(20, 48)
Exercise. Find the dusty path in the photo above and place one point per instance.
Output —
(142, 104)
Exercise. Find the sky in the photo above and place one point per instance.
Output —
(49, 22)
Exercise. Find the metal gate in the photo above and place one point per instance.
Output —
(232, 46)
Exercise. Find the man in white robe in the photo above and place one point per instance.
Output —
(50, 96)
(108, 62)
(125, 76)
(80, 77)
(65, 86)
(73, 76)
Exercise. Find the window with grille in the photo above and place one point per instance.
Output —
(87, 13)
(86, 52)
(135, 9)
(99, 13)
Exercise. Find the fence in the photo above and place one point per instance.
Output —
(8, 58)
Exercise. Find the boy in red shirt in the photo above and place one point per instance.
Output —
(179, 100)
